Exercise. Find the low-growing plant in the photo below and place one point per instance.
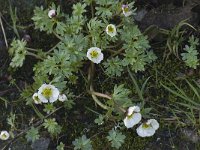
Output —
(175, 38)
(116, 138)
(190, 57)
(186, 110)
(99, 39)
(82, 143)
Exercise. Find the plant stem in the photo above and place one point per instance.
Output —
(32, 49)
(95, 94)
(2, 28)
(34, 55)
(118, 52)
(101, 95)
(57, 36)
(136, 87)
(98, 102)
(53, 48)
(92, 10)
(90, 87)
(39, 114)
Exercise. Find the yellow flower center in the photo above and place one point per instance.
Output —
(145, 126)
(93, 54)
(4, 136)
(126, 9)
(47, 92)
(110, 29)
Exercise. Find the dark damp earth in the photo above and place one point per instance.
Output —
(158, 14)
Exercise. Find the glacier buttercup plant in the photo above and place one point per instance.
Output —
(111, 30)
(62, 97)
(148, 129)
(36, 98)
(81, 38)
(48, 93)
(95, 55)
(133, 116)
(52, 13)
(4, 135)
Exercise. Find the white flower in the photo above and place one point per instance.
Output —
(4, 135)
(52, 13)
(36, 99)
(148, 129)
(95, 55)
(48, 93)
(126, 10)
(111, 30)
(62, 97)
(133, 116)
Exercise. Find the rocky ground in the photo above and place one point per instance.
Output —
(160, 13)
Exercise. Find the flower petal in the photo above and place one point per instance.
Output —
(154, 123)
(145, 132)
(133, 109)
(135, 119)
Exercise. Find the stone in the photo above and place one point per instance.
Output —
(41, 144)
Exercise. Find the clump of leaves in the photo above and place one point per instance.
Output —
(52, 126)
(116, 138)
(61, 146)
(82, 143)
(43, 22)
(18, 53)
(121, 96)
(32, 134)
(99, 120)
(190, 57)
(114, 67)
(49, 108)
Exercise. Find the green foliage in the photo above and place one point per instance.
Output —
(88, 2)
(42, 20)
(52, 126)
(175, 38)
(82, 143)
(95, 27)
(32, 134)
(188, 102)
(114, 66)
(135, 46)
(190, 56)
(116, 138)
(78, 9)
(99, 120)
(18, 52)
(58, 65)
(67, 67)
(107, 8)
(77, 32)
(61, 146)
(145, 112)
(11, 120)
(48, 108)
(121, 96)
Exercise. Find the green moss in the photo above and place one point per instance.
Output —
(133, 141)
